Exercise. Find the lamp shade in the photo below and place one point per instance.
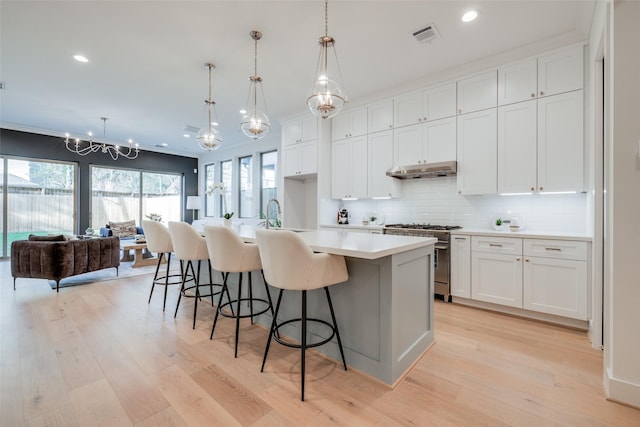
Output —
(193, 202)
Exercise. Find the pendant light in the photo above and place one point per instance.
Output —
(209, 137)
(255, 123)
(327, 96)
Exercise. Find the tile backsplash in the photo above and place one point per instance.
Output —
(436, 201)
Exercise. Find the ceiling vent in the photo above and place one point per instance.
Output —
(426, 34)
(192, 129)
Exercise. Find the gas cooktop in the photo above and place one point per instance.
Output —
(424, 226)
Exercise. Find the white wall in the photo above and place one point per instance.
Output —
(623, 314)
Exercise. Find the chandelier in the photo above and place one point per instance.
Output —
(209, 138)
(327, 97)
(85, 147)
(255, 123)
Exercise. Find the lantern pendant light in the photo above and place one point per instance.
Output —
(209, 137)
(327, 96)
(255, 123)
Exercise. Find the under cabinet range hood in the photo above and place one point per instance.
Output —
(424, 170)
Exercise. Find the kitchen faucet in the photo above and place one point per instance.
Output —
(266, 223)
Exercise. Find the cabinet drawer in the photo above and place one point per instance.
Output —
(559, 249)
(496, 245)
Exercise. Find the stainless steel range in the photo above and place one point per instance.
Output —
(442, 266)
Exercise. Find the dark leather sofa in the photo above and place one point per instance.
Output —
(55, 260)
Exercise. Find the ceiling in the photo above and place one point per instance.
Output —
(147, 75)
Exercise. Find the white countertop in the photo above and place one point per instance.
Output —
(356, 226)
(357, 245)
(525, 234)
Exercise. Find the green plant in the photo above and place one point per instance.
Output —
(499, 222)
(228, 215)
(373, 218)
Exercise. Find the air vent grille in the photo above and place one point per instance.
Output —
(426, 34)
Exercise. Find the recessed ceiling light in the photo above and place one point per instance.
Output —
(214, 123)
(186, 135)
(162, 145)
(80, 58)
(243, 111)
(470, 15)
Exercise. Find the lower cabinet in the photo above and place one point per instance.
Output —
(542, 275)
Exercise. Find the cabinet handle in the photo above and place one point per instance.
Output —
(527, 260)
(459, 191)
(541, 188)
(533, 188)
(533, 95)
(517, 258)
(495, 245)
(541, 92)
(424, 118)
(460, 238)
(459, 111)
(419, 119)
(390, 126)
(553, 249)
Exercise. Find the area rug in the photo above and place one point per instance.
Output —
(125, 270)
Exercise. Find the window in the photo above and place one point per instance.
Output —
(268, 180)
(123, 195)
(225, 198)
(209, 180)
(39, 197)
(245, 196)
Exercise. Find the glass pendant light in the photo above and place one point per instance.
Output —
(327, 96)
(255, 123)
(209, 138)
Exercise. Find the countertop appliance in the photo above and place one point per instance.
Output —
(441, 263)
(343, 216)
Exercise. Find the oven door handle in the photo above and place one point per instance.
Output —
(441, 247)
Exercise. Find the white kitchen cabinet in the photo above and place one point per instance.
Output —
(561, 71)
(560, 142)
(300, 130)
(496, 270)
(349, 124)
(349, 168)
(518, 82)
(380, 159)
(300, 159)
(478, 92)
(421, 106)
(380, 116)
(430, 142)
(477, 152)
(555, 277)
(461, 266)
(517, 147)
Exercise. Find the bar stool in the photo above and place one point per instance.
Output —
(290, 264)
(190, 246)
(229, 254)
(159, 241)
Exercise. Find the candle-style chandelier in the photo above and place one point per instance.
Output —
(209, 138)
(83, 148)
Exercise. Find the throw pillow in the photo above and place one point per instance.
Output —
(49, 238)
(123, 229)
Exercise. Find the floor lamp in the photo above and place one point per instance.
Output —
(193, 203)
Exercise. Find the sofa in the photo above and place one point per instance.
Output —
(55, 258)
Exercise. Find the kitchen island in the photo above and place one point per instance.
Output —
(385, 309)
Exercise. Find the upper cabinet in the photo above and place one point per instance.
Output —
(380, 159)
(300, 130)
(349, 168)
(426, 105)
(477, 153)
(478, 92)
(380, 116)
(557, 72)
(349, 124)
(429, 142)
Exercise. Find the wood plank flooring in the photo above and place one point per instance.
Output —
(99, 355)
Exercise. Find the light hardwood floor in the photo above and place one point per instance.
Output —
(99, 355)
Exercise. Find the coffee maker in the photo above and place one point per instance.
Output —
(343, 216)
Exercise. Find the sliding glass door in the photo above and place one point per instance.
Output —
(38, 197)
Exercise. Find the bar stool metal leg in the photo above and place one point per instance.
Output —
(303, 342)
(335, 326)
(274, 323)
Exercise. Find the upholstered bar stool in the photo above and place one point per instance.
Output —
(158, 240)
(229, 254)
(290, 264)
(190, 246)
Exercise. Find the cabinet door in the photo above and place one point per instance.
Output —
(560, 143)
(408, 145)
(407, 109)
(496, 278)
(517, 147)
(358, 174)
(340, 127)
(292, 160)
(309, 157)
(439, 140)
(291, 132)
(478, 92)
(518, 82)
(309, 128)
(461, 266)
(358, 122)
(380, 116)
(556, 286)
(561, 71)
(340, 164)
(477, 153)
(439, 102)
(380, 154)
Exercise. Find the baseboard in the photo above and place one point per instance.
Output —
(621, 391)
